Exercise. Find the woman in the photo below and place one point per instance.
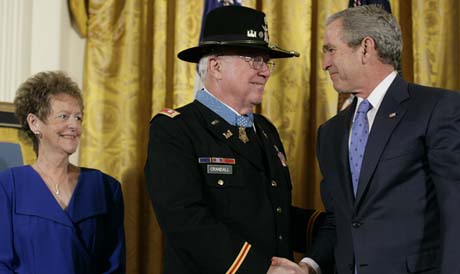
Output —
(56, 217)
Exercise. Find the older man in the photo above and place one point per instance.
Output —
(217, 173)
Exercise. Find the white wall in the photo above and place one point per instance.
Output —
(36, 35)
(15, 45)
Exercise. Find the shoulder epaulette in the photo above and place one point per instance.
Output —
(171, 113)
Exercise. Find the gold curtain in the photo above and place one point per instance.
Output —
(131, 72)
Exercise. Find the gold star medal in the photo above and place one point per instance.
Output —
(242, 135)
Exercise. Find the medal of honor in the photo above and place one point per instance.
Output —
(242, 135)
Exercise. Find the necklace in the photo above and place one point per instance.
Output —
(56, 185)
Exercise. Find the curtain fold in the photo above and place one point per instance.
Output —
(79, 15)
(117, 90)
(131, 72)
(436, 40)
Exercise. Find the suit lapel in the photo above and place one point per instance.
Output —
(343, 130)
(228, 134)
(389, 115)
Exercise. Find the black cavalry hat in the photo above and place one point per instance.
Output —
(234, 27)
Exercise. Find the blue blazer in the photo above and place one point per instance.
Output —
(38, 237)
(405, 217)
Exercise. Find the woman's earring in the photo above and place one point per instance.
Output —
(38, 134)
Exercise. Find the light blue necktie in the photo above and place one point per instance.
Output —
(224, 111)
(244, 121)
(359, 134)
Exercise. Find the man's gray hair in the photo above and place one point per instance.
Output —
(203, 68)
(372, 21)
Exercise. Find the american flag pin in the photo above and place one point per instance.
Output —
(392, 115)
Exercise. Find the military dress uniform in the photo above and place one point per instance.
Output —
(222, 199)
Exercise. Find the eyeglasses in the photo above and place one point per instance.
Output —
(257, 62)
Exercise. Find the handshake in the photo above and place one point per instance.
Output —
(285, 266)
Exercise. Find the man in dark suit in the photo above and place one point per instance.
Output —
(216, 172)
(391, 171)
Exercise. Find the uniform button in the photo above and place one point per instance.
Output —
(274, 183)
(356, 224)
(279, 210)
(220, 182)
(280, 237)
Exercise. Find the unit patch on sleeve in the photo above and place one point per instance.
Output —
(171, 113)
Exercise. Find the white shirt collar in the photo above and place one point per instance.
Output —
(376, 96)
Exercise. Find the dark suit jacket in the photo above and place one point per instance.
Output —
(214, 215)
(405, 218)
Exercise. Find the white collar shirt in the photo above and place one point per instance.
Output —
(375, 98)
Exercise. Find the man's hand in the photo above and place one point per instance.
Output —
(279, 269)
(301, 268)
(283, 269)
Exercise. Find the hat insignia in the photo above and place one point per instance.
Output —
(251, 33)
(228, 2)
(265, 28)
